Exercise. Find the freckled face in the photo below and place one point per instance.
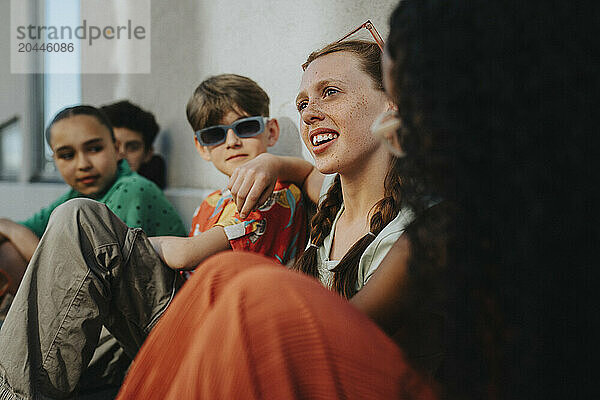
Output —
(131, 147)
(338, 103)
(84, 154)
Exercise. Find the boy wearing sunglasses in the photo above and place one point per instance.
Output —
(229, 114)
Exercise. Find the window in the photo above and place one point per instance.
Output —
(60, 90)
(24, 153)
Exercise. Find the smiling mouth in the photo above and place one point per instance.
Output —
(322, 138)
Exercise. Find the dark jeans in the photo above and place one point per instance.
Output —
(89, 271)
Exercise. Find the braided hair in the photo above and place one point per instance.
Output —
(346, 272)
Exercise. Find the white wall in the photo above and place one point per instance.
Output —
(266, 40)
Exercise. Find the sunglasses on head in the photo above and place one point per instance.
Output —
(368, 25)
(243, 128)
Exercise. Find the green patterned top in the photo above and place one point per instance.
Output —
(133, 198)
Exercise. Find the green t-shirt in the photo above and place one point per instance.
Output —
(133, 198)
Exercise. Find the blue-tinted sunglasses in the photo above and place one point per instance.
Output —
(243, 128)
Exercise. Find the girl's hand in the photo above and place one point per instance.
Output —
(252, 183)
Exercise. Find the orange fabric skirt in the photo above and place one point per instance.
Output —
(244, 327)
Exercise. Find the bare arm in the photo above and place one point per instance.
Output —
(22, 238)
(252, 183)
(186, 253)
(381, 298)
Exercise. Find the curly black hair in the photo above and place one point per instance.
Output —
(124, 114)
(495, 101)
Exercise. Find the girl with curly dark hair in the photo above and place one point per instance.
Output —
(494, 104)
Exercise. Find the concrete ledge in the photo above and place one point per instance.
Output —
(19, 201)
